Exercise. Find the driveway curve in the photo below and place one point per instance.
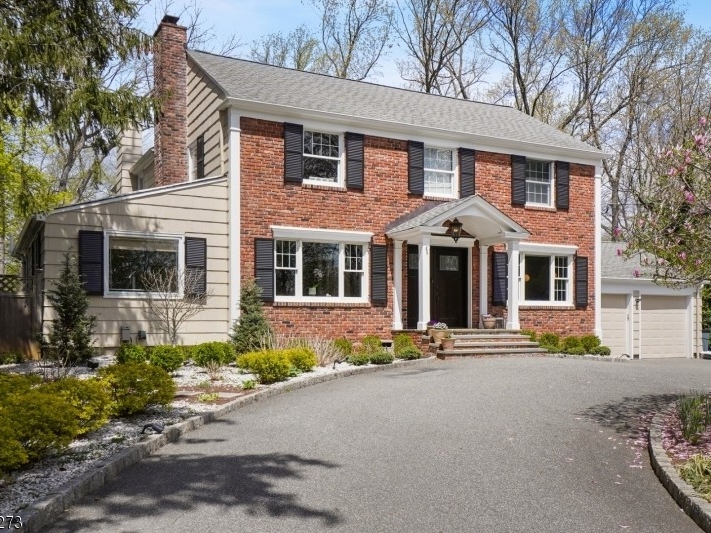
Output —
(481, 445)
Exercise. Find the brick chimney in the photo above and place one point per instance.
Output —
(170, 78)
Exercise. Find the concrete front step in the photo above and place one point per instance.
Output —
(484, 352)
(466, 344)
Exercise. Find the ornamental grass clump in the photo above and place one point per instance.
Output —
(697, 473)
(694, 411)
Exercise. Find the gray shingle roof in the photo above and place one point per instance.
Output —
(617, 266)
(422, 215)
(257, 82)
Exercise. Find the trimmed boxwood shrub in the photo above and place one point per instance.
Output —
(589, 342)
(401, 342)
(571, 342)
(134, 386)
(601, 350)
(210, 353)
(87, 396)
(131, 353)
(303, 359)
(410, 353)
(344, 345)
(575, 350)
(381, 358)
(269, 366)
(169, 358)
(529, 333)
(549, 340)
(371, 344)
(359, 359)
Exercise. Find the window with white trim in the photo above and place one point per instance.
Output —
(546, 279)
(439, 172)
(311, 270)
(322, 156)
(539, 183)
(132, 258)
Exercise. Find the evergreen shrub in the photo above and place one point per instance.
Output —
(134, 386)
(169, 358)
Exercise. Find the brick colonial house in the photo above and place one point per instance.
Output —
(343, 199)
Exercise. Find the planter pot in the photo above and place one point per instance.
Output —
(448, 343)
(438, 335)
(488, 323)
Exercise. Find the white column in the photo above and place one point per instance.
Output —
(512, 320)
(598, 252)
(234, 180)
(483, 282)
(424, 279)
(397, 285)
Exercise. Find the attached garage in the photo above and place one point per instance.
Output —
(642, 319)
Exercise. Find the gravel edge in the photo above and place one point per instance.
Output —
(41, 513)
(683, 493)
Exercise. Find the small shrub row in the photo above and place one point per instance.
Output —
(572, 345)
(271, 366)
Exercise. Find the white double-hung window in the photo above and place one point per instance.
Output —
(320, 265)
(322, 157)
(539, 183)
(439, 172)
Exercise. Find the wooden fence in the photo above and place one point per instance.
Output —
(19, 316)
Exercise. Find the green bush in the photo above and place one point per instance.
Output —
(344, 345)
(39, 422)
(694, 411)
(529, 333)
(550, 349)
(549, 340)
(214, 352)
(169, 358)
(410, 353)
(600, 350)
(88, 396)
(251, 330)
(589, 342)
(571, 342)
(381, 358)
(401, 342)
(303, 359)
(17, 383)
(131, 353)
(248, 384)
(371, 344)
(359, 359)
(269, 366)
(697, 473)
(134, 386)
(9, 358)
(188, 352)
(575, 350)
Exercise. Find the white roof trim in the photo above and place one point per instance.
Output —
(319, 234)
(536, 247)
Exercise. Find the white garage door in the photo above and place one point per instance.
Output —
(665, 332)
(614, 323)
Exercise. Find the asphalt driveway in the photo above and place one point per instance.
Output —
(489, 445)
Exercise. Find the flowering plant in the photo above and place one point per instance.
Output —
(436, 325)
(487, 315)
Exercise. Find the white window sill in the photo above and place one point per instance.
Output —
(542, 303)
(438, 197)
(130, 295)
(541, 207)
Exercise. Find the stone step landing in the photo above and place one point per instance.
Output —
(483, 343)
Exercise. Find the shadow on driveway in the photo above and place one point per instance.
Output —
(175, 483)
(630, 416)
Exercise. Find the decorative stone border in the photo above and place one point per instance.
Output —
(607, 358)
(42, 512)
(683, 493)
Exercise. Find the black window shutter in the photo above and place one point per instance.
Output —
(354, 160)
(195, 266)
(466, 172)
(562, 184)
(416, 167)
(499, 275)
(200, 157)
(378, 274)
(581, 281)
(264, 267)
(293, 153)
(518, 180)
(91, 261)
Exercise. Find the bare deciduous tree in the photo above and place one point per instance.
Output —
(173, 297)
(299, 49)
(354, 34)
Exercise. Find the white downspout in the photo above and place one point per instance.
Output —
(234, 187)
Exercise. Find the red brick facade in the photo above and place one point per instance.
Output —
(171, 131)
(266, 200)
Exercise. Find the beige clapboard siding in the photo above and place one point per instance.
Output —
(199, 211)
(204, 99)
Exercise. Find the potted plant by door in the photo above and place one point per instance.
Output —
(448, 342)
(437, 331)
(488, 321)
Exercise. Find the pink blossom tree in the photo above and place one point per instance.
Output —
(671, 231)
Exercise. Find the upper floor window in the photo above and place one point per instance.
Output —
(539, 185)
(322, 156)
(439, 172)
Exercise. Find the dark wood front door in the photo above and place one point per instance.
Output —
(448, 286)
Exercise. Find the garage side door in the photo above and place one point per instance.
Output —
(614, 323)
(664, 326)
